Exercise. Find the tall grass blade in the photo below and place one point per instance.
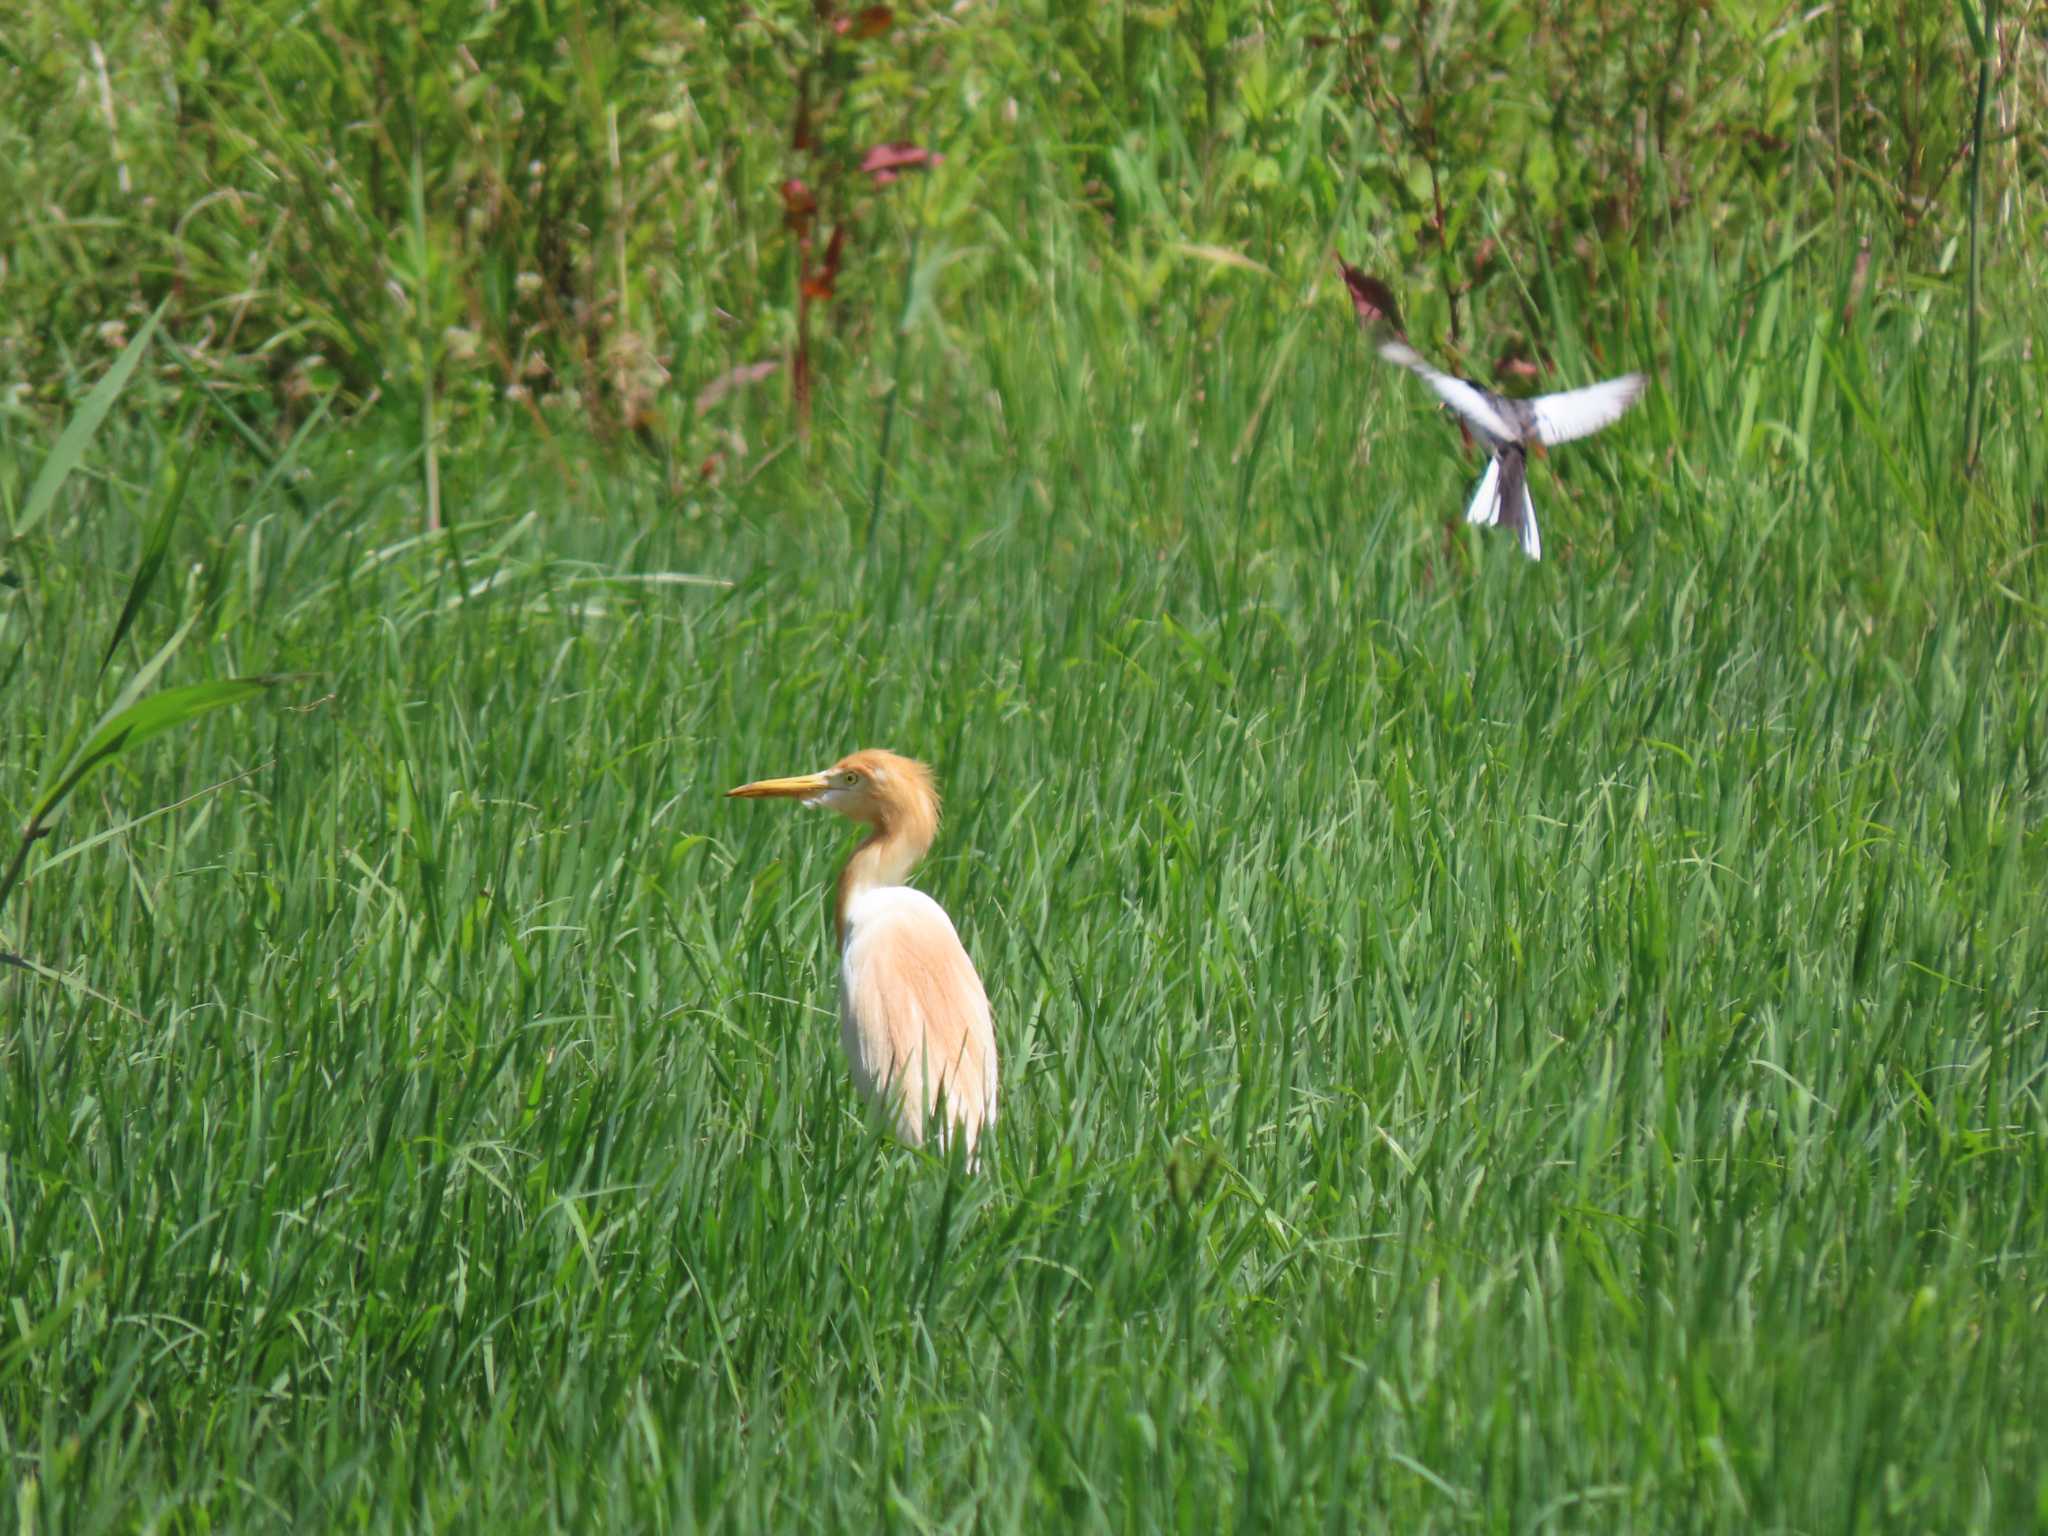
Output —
(154, 551)
(1982, 35)
(79, 432)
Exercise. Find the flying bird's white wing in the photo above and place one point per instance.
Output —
(1468, 400)
(1576, 412)
(1485, 508)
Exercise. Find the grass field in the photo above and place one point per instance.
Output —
(1487, 1046)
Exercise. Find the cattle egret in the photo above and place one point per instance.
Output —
(1509, 428)
(912, 1013)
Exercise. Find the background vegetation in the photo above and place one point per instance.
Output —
(1486, 1046)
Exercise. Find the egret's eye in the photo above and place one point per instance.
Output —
(849, 780)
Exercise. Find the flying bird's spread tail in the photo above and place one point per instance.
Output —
(1507, 426)
(1485, 508)
(1502, 499)
(1516, 511)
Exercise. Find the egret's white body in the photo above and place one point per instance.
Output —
(913, 1015)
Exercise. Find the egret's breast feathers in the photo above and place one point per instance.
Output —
(913, 1011)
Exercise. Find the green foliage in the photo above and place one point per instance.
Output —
(602, 234)
(137, 714)
(79, 432)
(1486, 1046)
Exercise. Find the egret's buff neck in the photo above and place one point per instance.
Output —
(901, 810)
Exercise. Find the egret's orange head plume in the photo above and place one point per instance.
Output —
(892, 796)
(883, 790)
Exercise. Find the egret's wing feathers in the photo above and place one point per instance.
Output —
(1485, 508)
(915, 1016)
(1532, 541)
(1468, 400)
(1576, 412)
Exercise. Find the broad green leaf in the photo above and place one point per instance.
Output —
(140, 683)
(79, 432)
(152, 716)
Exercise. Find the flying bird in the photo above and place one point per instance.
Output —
(1507, 427)
(912, 1013)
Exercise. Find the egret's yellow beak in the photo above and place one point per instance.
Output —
(802, 787)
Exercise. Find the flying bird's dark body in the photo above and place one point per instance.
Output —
(1508, 427)
(1511, 507)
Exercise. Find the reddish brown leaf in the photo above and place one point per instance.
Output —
(817, 283)
(885, 161)
(1514, 366)
(871, 22)
(1483, 255)
(801, 137)
(1371, 300)
(800, 379)
(799, 203)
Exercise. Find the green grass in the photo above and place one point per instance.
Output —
(1486, 1046)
